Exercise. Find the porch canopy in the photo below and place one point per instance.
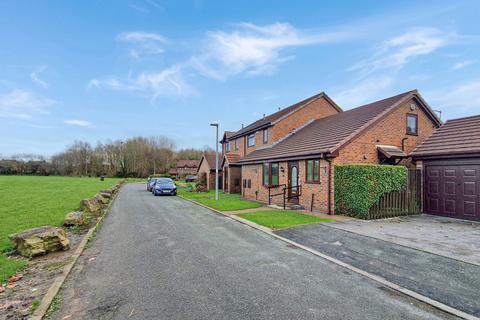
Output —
(391, 152)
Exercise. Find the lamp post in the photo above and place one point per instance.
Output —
(215, 124)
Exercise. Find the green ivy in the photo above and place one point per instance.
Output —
(358, 187)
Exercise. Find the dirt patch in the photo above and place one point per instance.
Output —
(21, 297)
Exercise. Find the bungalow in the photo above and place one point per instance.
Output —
(267, 131)
(303, 159)
(206, 171)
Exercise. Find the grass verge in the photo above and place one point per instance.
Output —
(279, 219)
(30, 201)
(229, 204)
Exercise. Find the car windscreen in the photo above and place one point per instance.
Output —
(164, 181)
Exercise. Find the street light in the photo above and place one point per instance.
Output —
(215, 124)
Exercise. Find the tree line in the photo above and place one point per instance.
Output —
(134, 157)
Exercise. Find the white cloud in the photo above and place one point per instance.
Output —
(79, 123)
(144, 43)
(465, 96)
(35, 76)
(253, 49)
(462, 64)
(398, 51)
(23, 104)
(168, 82)
(364, 91)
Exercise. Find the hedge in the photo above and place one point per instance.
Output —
(358, 187)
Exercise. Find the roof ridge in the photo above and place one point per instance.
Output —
(402, 97)
(463, 118)
(294, 107)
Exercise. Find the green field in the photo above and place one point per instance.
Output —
(27, 202)
(279, 219)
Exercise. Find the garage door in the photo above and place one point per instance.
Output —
(453, 190)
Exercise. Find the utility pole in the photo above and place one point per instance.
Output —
(216, 160)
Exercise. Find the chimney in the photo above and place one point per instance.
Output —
(279, 108)
(264, 116)
(242, 125)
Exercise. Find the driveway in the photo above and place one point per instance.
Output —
(166, 258)
(453, 238)
(452, 282)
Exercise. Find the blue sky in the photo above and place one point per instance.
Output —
(98, 70)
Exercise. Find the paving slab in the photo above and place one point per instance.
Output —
(453, 238)
(449, 281)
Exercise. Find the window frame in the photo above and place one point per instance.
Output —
(252, 135)
(265, 135)
(315, 179)
(227, 146)
(411, 115)
(236, 144)
(269, 166)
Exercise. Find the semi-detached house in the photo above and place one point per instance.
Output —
(299, 146)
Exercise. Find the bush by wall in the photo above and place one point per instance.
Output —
(358, 187)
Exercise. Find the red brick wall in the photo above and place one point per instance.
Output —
(260, 193)
(317, 109)
(389, 131)
(257, 191)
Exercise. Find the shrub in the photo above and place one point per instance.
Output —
(358, 187)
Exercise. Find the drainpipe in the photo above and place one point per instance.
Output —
(329, 185)
(403, 143)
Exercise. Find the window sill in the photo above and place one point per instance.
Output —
(312, 182)
(411, 134)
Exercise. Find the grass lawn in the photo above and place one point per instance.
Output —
(279, 219)
(205, 195)
(27, 202)
(229, 204)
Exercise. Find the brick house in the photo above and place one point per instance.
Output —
(267, 131)
(304, 159)
(206, 170)
(185, 168)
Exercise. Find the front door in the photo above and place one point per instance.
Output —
(293, 182)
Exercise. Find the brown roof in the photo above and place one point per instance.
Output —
(210, 158)
(232, 158)
(188, 163)
(268, 120)
(327, 135)
(226, 136)
(457, 136)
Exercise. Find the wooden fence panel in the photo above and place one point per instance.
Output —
(406, 202)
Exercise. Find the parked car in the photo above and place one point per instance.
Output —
(164, 186)
(150, 183)
(191, 179)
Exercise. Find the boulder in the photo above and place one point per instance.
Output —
(75, 218)
(108, 191)
(105, 195)
(91, 205)
(38, 241)
(101, 199)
